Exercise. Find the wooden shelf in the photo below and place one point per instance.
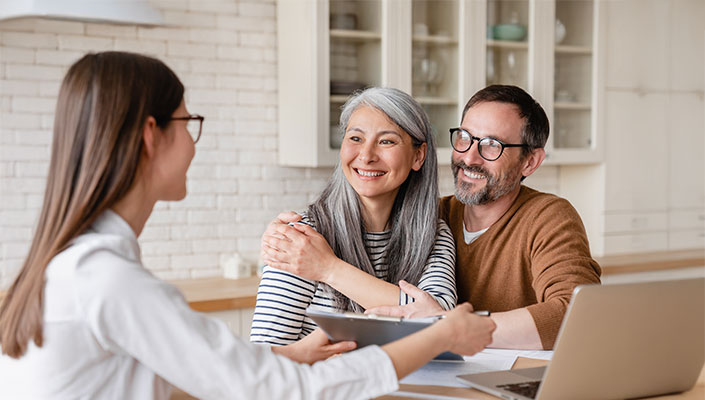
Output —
(567, 105)
(579, 50)
(507, 44)
(355, 35)
(339, 98)
(431, 39)
(442, 101)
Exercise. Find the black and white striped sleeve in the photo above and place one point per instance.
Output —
(438, 278)
(280, 311)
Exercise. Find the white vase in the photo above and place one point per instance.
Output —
(560, 31)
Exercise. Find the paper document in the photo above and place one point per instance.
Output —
(537, 354)
(443, 373)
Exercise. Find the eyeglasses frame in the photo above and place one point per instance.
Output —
(473, 139)
(192, 117)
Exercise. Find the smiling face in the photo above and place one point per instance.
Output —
(173, 157)
(478, 181)
(377, 155)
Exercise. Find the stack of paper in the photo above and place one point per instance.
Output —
(443, 373)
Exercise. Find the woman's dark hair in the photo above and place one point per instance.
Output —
(103, 103)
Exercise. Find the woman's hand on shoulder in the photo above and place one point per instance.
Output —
(281, 220)
(299, 249)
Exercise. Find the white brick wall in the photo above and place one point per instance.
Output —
(225, 53)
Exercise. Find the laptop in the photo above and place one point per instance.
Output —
(616, 342)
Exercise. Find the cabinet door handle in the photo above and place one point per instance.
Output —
(639, 222)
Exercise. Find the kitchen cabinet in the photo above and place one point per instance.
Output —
(686, 148)
(238, 320)
(633, 27)
(440, 51)
(649, 194)
(684, 142)
(655, 157)
(559, 63)
(635, 157)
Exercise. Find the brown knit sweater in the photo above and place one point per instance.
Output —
(533, 257)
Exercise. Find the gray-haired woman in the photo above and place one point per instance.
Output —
(375, 224)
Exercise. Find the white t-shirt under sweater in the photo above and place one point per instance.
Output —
(472, 236)
(114, 331)
(282, 298)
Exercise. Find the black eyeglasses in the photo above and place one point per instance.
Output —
(489, 148)
(191, 127)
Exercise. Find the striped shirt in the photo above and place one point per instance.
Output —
(282, 298)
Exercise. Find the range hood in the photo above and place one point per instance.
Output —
(134, 12)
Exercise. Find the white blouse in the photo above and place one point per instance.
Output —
(114, 331)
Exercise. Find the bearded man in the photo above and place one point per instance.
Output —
(520, 252)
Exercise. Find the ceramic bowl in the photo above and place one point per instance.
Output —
(514, 32)
(343, 21)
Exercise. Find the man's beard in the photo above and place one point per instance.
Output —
(495, 187)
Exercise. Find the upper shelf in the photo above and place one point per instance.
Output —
(507, 44)
(584, 50)
(355, 35)
(434, 39)
(441, 101)
(567, 105)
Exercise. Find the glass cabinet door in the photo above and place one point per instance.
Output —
(434, 63)
(441, 52)
(355, 29)
(573, 75)
(507, 43)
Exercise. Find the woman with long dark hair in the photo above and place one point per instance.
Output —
(374, 226)
(85, 319)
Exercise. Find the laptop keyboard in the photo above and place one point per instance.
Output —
(526, 389)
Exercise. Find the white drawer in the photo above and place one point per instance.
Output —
(636, 222)
(238, 320)
(634, 243)
(686, 219)
(246, 322)
(230, 317)
(681, 240)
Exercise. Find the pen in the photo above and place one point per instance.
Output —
(483, 313)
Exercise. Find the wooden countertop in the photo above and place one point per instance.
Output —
(215, 294)
(654, 261)
(219, 294)
(696, 392)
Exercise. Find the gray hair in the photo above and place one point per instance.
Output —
(414, 218)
